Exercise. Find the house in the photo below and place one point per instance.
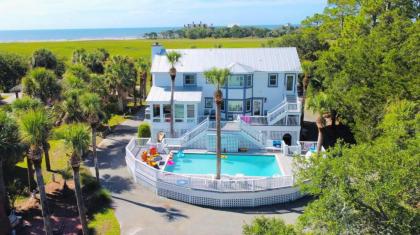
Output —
(261, 107)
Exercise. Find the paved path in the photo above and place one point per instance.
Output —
(10, 97)
(140, 211)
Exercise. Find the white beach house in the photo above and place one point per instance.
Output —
(261, 107)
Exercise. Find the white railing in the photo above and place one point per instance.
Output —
(142, 171)
(184, 139)
(275, 113)
(252, 132)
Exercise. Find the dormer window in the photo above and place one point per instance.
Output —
(190, 80)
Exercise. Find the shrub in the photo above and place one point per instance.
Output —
(272, 226)
(144, 131)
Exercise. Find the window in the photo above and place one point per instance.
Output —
(235, 105)
(272, 80)
(167, 112)
(222, 108)
(179, 112)
(208, 103)
(248, 105)
(236, 81)
(190, 80)
(290, 80)
(190, 113)
(156, 113)
(248, 80)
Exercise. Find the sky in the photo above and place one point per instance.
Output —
(63, 14)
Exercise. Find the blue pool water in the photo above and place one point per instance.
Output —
(204, 164)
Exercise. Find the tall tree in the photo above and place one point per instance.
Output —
(42, 84)
(173, 58)
(320, 104)
(144, 67)
(369, 188)
(218, 78)
(10, 152)
(44, 58)
(91, 107)
(32, 128)
(76, 136)
(12, 69)
(121, 75)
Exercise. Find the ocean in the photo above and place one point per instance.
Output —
(82, 34)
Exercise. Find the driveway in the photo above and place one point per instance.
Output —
(141, 211)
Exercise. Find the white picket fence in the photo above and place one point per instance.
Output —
(203, 190)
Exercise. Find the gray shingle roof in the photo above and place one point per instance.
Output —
(283, 59)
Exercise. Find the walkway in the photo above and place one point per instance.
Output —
(140, 211)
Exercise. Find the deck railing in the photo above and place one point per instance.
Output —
(228, 184)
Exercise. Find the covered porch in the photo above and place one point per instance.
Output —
(186, 105)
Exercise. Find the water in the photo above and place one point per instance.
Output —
(77, 34)
(84, 34)
(205, 164)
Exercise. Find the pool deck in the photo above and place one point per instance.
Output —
(141, 212)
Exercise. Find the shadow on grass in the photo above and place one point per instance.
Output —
(171, 214)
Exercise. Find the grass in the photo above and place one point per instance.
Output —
(115, 120)
(133, 48)
(58, 160)
(105, 223)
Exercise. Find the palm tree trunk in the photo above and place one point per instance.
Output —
(218, 137)
(79, 199)
(95, 156)
(30, 173)
(135, 95)
(43, 198)
(320, 127)
(4, 219)
(172, 106)
(46, 149)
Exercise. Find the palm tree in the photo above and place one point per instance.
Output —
(42, 84)
(144, 66)
(33, 126)
(319, 103)
(121, 75)
(76, 136)
(10, 151)
(91, 107)
(173, 58)
(218, 78)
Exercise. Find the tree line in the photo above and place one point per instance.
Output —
(223, 32)
(361, 69)
(63, 101)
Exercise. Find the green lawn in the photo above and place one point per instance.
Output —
(133, 48)
(115, 120)
(105, 223)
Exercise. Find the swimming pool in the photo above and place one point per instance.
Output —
(204, 164)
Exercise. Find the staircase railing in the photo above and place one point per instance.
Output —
(277, 111)
(188, 136)
(258, 136)
(282, 108)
